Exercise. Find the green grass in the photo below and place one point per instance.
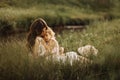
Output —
(15, 64)
(20, 14)
(53, 15)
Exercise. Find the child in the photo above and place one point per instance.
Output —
(51, 43)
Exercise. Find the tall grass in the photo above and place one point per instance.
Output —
(16, 64)
(56, 12)
(54, 15)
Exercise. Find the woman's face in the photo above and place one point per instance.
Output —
(43, 32)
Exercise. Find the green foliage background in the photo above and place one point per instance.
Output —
(19, 14)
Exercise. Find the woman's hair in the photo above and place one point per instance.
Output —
(36, 29)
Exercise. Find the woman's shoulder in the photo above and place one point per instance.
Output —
(39, 39)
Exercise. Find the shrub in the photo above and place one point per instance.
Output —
(6, 28)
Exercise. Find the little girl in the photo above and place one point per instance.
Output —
(52, 46)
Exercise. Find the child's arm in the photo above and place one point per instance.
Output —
(55, 49)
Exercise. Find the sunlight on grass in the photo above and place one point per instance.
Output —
(102, 31)
(16, 64)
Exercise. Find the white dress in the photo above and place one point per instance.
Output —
(40, 49)
(55, 46)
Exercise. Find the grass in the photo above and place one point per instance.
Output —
(20, 14)
(46, 12)
(16, 64)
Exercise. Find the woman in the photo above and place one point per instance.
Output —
(41, 42)
(35, 39)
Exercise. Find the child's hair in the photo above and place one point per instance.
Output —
(48, 33)
(36, 29)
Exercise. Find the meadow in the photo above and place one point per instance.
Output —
(16, 64)
(101, 19)
(18, 15)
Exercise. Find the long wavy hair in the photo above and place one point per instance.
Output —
(36, 29)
